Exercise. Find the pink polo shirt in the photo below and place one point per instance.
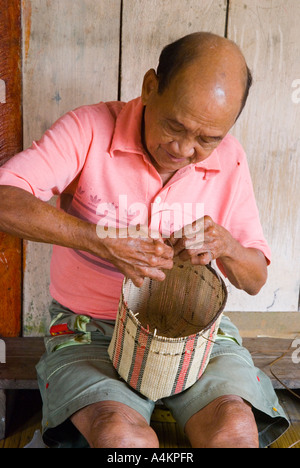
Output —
(96, 153)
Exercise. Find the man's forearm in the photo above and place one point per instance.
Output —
(25, 216)
(246, 268)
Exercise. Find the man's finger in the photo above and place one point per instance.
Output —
(201, 259)
(163, 250)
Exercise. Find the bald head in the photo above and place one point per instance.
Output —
(215, 58)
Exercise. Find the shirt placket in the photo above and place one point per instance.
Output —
(165, 216)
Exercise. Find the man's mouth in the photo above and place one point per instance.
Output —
(173, 158)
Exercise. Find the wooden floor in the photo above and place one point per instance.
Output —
(26, 416)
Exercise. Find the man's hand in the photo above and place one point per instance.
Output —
(139, 256)
(204, 240)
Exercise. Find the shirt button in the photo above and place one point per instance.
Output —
(157, 200)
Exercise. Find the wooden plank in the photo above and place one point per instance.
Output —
(10, 75)
(10, 285)
(22, 355)
(265, 351)
(71, 58)
(266, 324)
(10, 143)
(158, 24)
(269, 128)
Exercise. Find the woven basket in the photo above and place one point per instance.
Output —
(164, 331)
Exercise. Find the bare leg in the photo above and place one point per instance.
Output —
(110, 424)
(227, 422)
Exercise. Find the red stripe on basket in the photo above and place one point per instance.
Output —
(138, 367)
(188, 353)
(208, 346)
(119, 339)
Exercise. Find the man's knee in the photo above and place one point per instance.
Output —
(237, 426)
(115, 430)
(114, 426)
(227, 422)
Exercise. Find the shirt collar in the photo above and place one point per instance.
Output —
(212, 163)
(127, 137)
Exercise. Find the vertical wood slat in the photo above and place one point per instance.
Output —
(269, 129)
(10, 143)
(70, 58)
(160, 23)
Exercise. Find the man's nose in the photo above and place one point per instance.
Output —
(182, 148)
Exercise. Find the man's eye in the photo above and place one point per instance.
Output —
(208, 143)
(204, 142)
(173, 127)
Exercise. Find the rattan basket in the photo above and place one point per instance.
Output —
(164, 331)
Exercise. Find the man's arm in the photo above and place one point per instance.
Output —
(25, 216)
(246, 268)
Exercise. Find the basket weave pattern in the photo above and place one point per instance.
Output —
(165, 330)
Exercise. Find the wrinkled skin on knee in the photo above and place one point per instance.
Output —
(117, 430)
(114, 425)
(227, 422)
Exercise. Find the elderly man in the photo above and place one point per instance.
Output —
(171, 145)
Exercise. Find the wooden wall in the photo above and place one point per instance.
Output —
(83, 51)
(269, 33)
(10, 143)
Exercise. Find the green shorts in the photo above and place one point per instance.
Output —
(76, 371)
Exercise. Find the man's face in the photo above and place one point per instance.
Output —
(185, 123)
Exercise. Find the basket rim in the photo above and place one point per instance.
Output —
(133, 317)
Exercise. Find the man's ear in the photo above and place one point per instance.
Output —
(150, 86)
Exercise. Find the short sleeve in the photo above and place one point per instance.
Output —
(50, 164)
